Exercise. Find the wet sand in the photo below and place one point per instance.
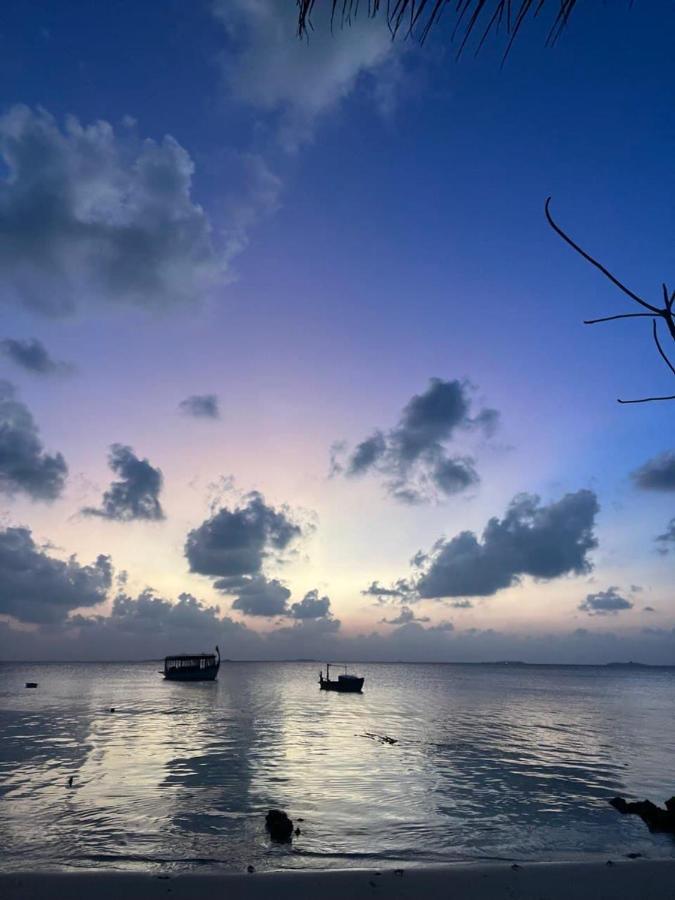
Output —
(646, 879)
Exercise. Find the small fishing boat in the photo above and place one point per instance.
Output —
(192, 667)
(345, 683)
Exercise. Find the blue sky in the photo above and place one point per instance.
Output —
(359, 216)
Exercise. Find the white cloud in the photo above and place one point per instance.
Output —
(91, 214)
(269, 67)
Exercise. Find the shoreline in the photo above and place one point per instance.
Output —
(609, 880)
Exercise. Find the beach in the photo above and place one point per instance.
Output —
(609, 880)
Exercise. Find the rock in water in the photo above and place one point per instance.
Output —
(279, 826)
(654, 817)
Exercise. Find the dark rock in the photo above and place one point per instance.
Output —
(609, 863)
(297, 832)
(279, 826)
(70, 781)
(515, 867)
(250, 869)
(654, 817)
(31, 684)
(398, 872)
(112, 709)
(633, 855)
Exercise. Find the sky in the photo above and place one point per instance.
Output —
(290, 359)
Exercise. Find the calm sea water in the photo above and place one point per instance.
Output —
(490, 763)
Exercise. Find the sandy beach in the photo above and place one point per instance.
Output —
(646, 879)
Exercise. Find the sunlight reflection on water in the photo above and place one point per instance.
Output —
(490, 763)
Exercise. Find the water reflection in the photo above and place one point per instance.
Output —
(489, 762)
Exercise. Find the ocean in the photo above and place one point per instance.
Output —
(490, 762)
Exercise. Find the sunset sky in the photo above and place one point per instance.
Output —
(291, 360)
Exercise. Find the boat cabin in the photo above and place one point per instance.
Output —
(192, 667)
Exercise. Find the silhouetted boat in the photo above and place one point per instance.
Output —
(346, 683)
(192, 667)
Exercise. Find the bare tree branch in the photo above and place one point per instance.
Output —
(646, 399)
(665, 313)
(661, 350)
(594, 262)
(622, 316)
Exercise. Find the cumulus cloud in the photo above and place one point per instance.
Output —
(200, 406)
(398, 591)
(605, 603)
(666, 539)
(32, 355)
(311, 606)
(135, 495)
(269, 68)
(543, 541)
(38, 588)
(259, 596)
(412, 457)
(657, 474)
(88, 213)
(25, 467)
(233, 543)
(405, 616)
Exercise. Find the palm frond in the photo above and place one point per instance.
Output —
(416, 18)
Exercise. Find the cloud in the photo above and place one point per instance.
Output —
(136, 494)
(413, 456)
(544, 542)
(89, 214)
(657, 474)
(668, 537)
(311, 606)
(461, 604)
(32, 356)
(258, 596)
(405, 616)
(399, 590)
(649, 609)
(605, 603)
(200, 406)
(37, 588)
(25, 467)
(234, 543)
(298, 81)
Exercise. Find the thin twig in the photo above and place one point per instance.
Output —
(622, 316)
(646, 399)
(594, 262)
(660, 348)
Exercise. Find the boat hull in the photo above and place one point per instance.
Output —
(353, 686)
(202, 675)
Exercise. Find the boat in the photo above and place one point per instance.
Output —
(192, 666)
(345, 683)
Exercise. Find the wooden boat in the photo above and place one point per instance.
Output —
(345, 684)
(192, 667)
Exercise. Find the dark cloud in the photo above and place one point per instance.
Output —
(401, 589)
(200, 406)
(542, 541)
(234, 543)
(311, 606)
(405, 616)
(649, 609)
(461, 604)
(604, 603)
(412, 456)
(667, 538)
(136, 494)
(32, 355)
(258, 596)
(38, 588)
(657, 474)
(86, 212)
(24, 465)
